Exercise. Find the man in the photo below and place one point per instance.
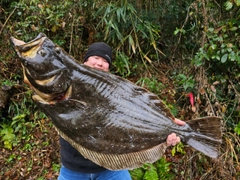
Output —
(74, 165)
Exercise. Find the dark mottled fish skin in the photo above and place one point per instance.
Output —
(101, 113)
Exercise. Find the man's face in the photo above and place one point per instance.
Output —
(97, 62)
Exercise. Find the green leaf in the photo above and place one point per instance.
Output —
(238, 2)
(151, 172)
(228, 5)
(7, 136)
(237, 128)
(20, 116)
(132, 44)
(211, 29)
(137, 173)
(118, 12)
(178, 148)
(233, 28)
(8, 145)
(163, 168)
(176, 31)
(224, 58)
(213, 46)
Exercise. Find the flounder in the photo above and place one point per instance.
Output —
(108, 119)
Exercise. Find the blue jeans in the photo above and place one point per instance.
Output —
(66, 174)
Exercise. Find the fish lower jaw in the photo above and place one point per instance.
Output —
(46, 81)
(49, 98)
(41, 100)
(49, 101)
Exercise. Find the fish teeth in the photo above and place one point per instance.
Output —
(44, 98)
(68, 94)
(46, 81)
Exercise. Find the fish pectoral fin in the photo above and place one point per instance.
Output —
(119, 161)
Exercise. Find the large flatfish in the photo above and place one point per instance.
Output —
(108, 119)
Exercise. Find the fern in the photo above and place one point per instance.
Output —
(163, 168)
(151, 172)
(137, 174)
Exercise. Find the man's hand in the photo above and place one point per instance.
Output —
(173, 139)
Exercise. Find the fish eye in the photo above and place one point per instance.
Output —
(42, 52)
(58, 50)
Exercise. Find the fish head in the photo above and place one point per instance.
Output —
(43, 68)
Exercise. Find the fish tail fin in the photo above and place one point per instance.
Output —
(207, 136)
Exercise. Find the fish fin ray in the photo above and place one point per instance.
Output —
(119, 161)
(208, 136)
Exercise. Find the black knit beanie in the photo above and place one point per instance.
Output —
(99, 49)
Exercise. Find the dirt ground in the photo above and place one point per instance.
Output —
(37, 157)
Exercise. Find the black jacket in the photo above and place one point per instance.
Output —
(74, 161)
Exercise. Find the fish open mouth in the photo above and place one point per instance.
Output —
(42, 97)
(24, 48)
(49, 86)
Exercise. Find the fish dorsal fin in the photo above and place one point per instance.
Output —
(119, 161)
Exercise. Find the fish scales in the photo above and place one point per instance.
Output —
(108, 119)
